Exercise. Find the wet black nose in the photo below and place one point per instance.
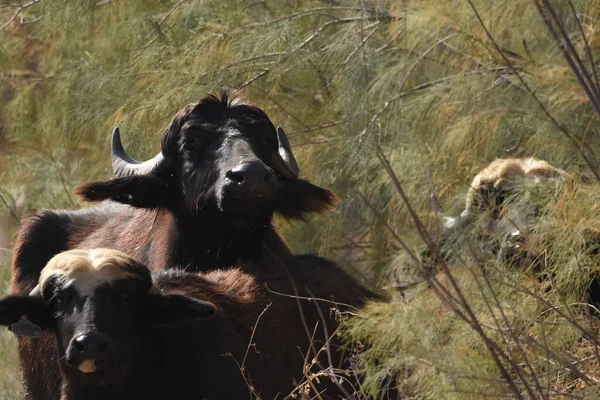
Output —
(94, 346)
(252, 178)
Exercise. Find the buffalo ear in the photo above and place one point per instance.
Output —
(36, 311)
(171, 308)
(142, 191)
(301, 197)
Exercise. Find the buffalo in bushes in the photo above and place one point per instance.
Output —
(204, 202)
(122, 333)
(501, 208)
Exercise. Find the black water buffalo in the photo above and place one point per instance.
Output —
(205, 201)
(225, 334)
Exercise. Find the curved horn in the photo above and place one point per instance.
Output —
(123, 165)
(36, 292)
(284, 161)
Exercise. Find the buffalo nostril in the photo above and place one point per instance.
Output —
(91, 344)
(90, 352)
(251, 177)
(235, 176)
(78, 344)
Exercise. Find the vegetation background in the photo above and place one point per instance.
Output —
(425, 91)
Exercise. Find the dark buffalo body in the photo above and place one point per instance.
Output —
(226, 334)
(204, 202)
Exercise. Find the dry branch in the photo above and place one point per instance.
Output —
(157, 28)
(16, 14)
(535, 97)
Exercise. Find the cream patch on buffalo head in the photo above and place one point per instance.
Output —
(85, 270)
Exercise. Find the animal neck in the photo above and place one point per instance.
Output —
(136, 382)
(212, 241)
(95, 392)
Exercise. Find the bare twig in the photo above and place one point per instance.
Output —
(253, 332)
(312, 298)
(318, 128)
(549, 14)
(282, 108)
(425, 53)
(246, 379)
(325, 25)
(254, 4)
(11, 211)
(534, 96)
(312, 11)
(16, 14)
(585, 41)
(157, 28)
(362, 43)
(327, 346)
(255, 77)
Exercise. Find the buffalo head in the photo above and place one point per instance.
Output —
(96, 302)
(219, 155)
(503, 205)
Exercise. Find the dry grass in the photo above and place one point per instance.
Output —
(420, 79)
(10, 376)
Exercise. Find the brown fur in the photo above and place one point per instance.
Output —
(285, 339)
(502, 171)
(273, 328)
(149, 236)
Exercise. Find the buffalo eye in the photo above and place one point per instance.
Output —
(63, 297)
(62, 300)
(189, 146)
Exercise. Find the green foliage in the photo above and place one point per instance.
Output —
(10, 378)
(419, 80)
